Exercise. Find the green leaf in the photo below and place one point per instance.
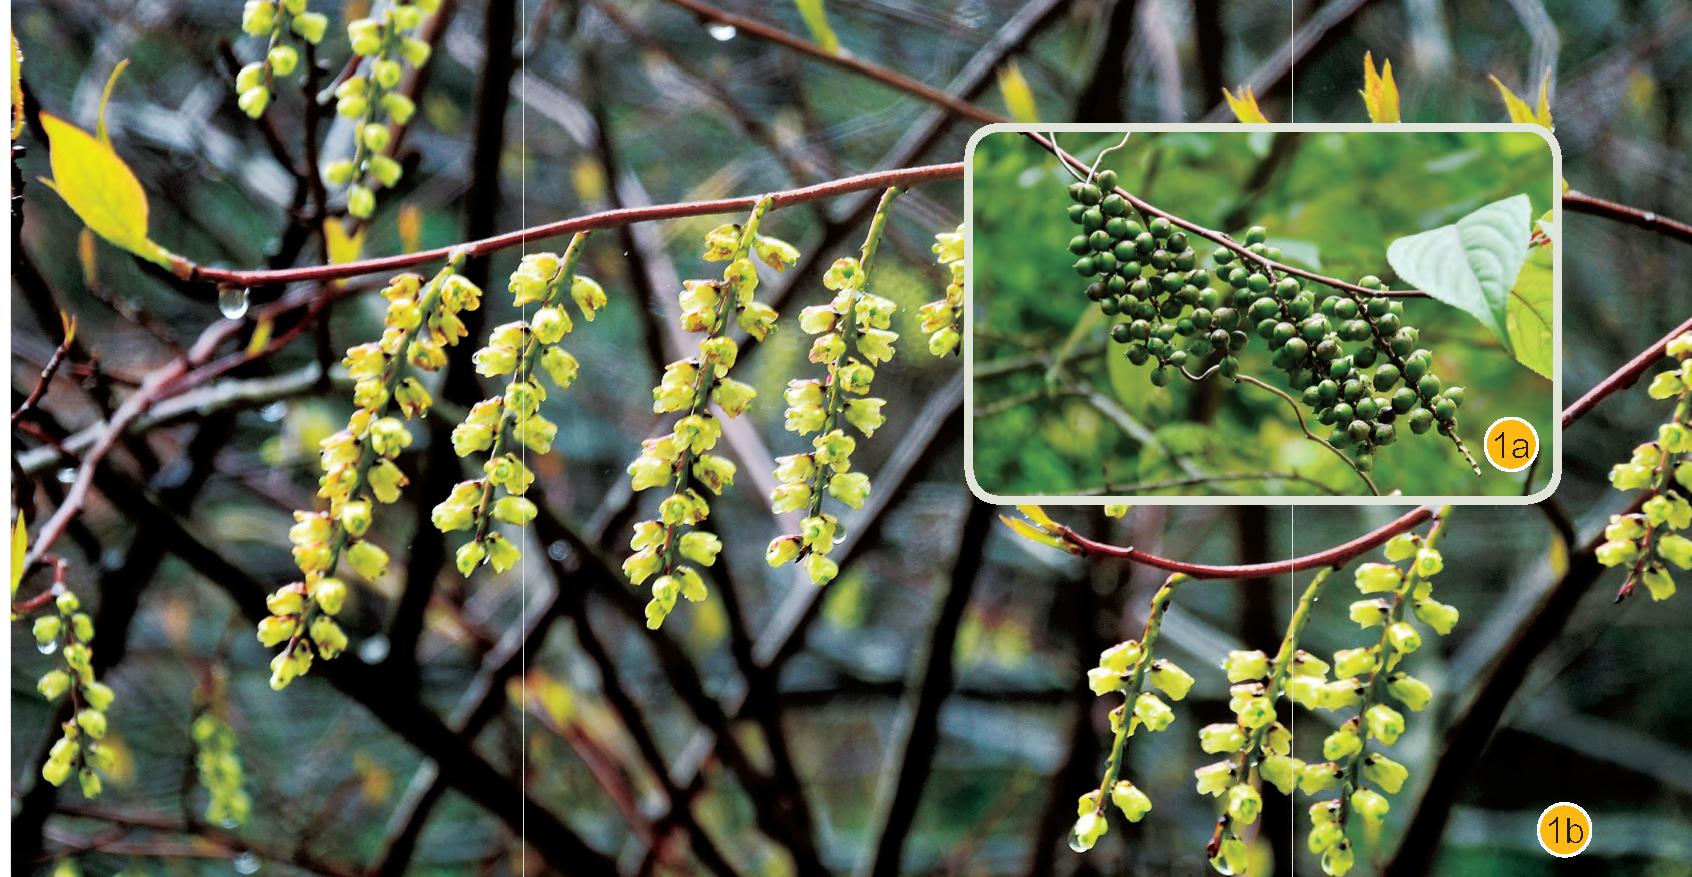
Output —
(99, 186)
(1530, 311)
(816, 21)
(1472, 263)
(20, 550)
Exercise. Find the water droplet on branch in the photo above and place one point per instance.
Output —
(232, 301)
(722, 33)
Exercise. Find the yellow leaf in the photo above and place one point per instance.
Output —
(339, 245)
(99, 186)
(1117, 511)
(1032, 533)
(17, 89)
(1038, 515)
(816, 21)
(1019, 97)
(1245, 106)
(411, 228)
(20, 550)
(1380, 93)
(261, 336)
(1519, 109)
(85, 256)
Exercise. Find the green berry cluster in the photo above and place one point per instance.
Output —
(1147, 273)
(854, 335)
(278, 22)
(1650, 540)
(1129, 668)
(678, 458)
(219, 766)
(498, 424)
(372, 99)
(359, 468)
(79, 750)
(1349, 353)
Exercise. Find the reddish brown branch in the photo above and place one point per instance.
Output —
(1650, 220)
(47, 371)
(1623, 377)
(901, 177)
(755, 28)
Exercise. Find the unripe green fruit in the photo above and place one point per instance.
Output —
(1428, 386)
(1096, 291)
(1344, 412)
(1237, 340)
(1404, 341)
(1090, 194)
(1367, 408)
(1207, 297)
(1177, 241)
(1199, 277)
(1084, 266)
(1076, 211)
(1327, 391)
(1178, 358)
(1075, 190)
(1160, 376)
(1355, 330)
(1100, 240)
(1378, 306)
(1266, 327)
(1219, 338)
(1145, 243)
(1344, 308)
(1117, 284)
(1170, 308)
(1404, 400)
(1370, 281)
(1104, 263)
(1455, 394)
(1445, 411)
(1186, 260)
(1284, 332)
(1161, 259)
(1386, 376)
(1093, 219)
(1125, 252)
(1257, 234)
(1313, 329)
(1388, 324)
(1415, 366)
(1172, 282)
(1287, 287)
(1258, 282)
(1114, 205)
(1227, 318)
(1110, 307)
(1132, 228)
(1420, 420)
(1185, 326)
(1365, 462)
(1360, 431)
(1229, 367)
(1140, 288)
(1297, 349)
(1301, 306)
(1352, 390)
(1119, 333)
(1385, 434)
(1222, 256)
(1364, 357)
(1264, 308)
(1272, 253)
(1328, 349)
(1201, 317)
(1139, 330)
(1137, 354)
(1079, 246)
(1163, 332)
(1340, 368)
(1118, 227)
(1160, 227)
(1312, 397)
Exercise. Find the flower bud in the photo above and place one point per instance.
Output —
(361, 202)
(700, 547)
(1439, 616)
(1384, 772)
(1375, 578)
(1130, 800)
(276, 629)
(1121, 656)
(257, 19)
(1087, 831)
(253, 101)
(782, 550)
(1410, 691)
(821, 568)
(330, 594)
(1342, 743)
(47, 628)
(1281, 771)
(1152, 712)
(1384, 723)
(311, 26)
(283, 59)
(1244, 803)
(1215, 778)
(1370, 613)
(53, 683)
(367, 559)
(1170, 679)
(1313, 778)
(1221, 737)
(287, 601)
(1403, 638)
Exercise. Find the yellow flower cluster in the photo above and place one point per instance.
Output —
(227, 803)
(1650, 540)
(359, 471)
(1129, 668)
(853, 336)
(1363, 679)
(374, 103)
(79, 750)
(497, 424)
(688, 387)
(942, 318)
(277, 21)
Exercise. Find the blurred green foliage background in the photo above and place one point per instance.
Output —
(1332, 202)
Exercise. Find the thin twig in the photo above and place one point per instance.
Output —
(1293, 404)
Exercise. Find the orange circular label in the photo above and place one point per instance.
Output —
(1511, 444)
(1565, 829)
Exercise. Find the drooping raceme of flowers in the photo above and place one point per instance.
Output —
(1367, 681)
(280, 22)
(373, 101)
(359, 471)
(499, 425)
(1130, 668)
(80, 750)
(219, 765)
(942, 318)
(671, 547)
(853, 336)
(1257, 744)
(1649, 541)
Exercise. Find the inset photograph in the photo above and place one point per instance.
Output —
(1291, 313)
